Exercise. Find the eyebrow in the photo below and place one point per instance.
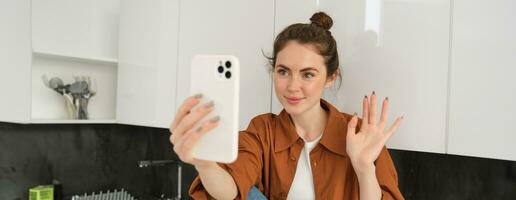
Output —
(304, 69)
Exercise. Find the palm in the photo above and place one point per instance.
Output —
(365, 146)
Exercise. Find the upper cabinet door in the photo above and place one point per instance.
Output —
(240, 28)
(398, 49)
(85, 29)
(482, 79)
(15, 61)
(147, 62)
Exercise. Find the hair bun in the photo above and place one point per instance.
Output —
(322, 20)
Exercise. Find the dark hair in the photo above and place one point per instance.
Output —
(316, 33)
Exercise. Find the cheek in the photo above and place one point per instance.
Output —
(314, 87)
(279, 84)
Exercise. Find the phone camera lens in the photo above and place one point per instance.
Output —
(228, 74)
(228, 64)
(220, 69)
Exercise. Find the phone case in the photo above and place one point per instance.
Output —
(209, 76)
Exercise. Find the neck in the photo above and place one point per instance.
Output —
(310, 124)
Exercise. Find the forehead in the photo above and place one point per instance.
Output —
(297, 56)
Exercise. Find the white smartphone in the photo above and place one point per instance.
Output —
(217, 78)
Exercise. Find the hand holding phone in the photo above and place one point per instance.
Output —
(184, 136)
(217, 79)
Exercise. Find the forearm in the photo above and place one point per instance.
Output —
(217, 181)
(368, 184)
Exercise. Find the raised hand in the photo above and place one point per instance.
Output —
(365, 146)
(184, 136)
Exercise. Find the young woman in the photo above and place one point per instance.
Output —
(310, 150)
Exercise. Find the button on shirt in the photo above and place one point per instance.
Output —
(303, 184)
(268, 154)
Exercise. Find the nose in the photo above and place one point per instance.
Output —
(294, 84)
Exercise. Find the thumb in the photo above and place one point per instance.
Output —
(352, 124)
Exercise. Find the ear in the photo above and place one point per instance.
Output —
(330, 80)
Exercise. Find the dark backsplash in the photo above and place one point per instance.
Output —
(84, 158)
(92, 158)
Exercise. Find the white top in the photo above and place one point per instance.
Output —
(303, 184)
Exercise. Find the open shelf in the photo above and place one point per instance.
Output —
(72, 121)
(48, 106)
(64, 57)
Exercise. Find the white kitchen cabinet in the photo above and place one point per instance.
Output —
(240, 28)
(74, 38)
(483, 64)
(397, 48)
(85, 29)
(159, 38)
(15, 60)
(434, 76)
(146, 88)
(33, 50)
(147, 62)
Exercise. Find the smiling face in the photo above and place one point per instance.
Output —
(300, 77)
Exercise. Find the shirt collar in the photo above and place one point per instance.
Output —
(333, 138)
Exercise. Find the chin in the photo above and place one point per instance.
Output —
(293, 109)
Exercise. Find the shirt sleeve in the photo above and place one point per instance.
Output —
(246, 170)
(387, 177)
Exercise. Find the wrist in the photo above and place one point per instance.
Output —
(368, 182)
(206, 166)
(367, 175)
(364, 169)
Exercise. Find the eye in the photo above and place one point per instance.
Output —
(282, 72)
(308, 75)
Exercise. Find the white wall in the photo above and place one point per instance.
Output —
(483, 84)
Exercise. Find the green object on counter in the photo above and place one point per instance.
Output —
(42, 192)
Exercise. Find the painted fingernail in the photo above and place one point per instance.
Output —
(199, 129)
(365, 96)
(386, 98)
(215, 119)
(198, 96)
(373, 92)
(209, 104)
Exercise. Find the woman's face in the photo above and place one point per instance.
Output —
(300, 77)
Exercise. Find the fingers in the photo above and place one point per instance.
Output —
(189, 120)
(352, 126)
(394, 127)
(383, 117)
(185, 108)
(372, 107)
(365, 112)
(187, 143)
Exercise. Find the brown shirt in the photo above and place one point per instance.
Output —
(270, 148)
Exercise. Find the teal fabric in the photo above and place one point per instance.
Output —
(255, 194)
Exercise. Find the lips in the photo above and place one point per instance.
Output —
(293, 100)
